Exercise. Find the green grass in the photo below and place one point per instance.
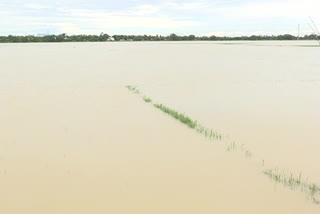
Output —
(178, 116)
(234, 147)
(231, 147)
(133, 89)
(287, 179)
(248, 154)
(208, 133)
(293, 182)
(147, 99)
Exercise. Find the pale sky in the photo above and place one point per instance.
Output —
(183, 17)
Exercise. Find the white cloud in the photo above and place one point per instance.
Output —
(36, 6)
(146, 18)
(218, 17)
(103, 20)
(145, 10)
(189, 6)
(70, 28)
(288, 9)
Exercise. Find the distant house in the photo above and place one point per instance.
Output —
(110, 39)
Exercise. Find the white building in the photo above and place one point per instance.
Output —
(110, 38)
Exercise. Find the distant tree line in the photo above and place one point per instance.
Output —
(172, 37)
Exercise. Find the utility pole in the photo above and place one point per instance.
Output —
(298, 36)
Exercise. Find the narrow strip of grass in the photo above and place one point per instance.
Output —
(293, 182)
(285, 178)
(179, 116)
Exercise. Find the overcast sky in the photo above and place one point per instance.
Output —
(202, 17)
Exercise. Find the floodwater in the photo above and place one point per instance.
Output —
(73, 139)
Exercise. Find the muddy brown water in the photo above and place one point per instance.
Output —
(73, 139)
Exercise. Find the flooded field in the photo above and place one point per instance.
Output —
(74, 139)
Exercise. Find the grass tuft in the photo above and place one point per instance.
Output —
(147, 99)
(133, 89)
(293, 182)
(248, 154)
(231, 147)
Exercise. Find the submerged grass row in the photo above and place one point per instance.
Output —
(294, 182)
(179, 116)
(208, 133)
(282, 177)
(234, 147)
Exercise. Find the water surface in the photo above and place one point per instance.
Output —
(74, 140)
